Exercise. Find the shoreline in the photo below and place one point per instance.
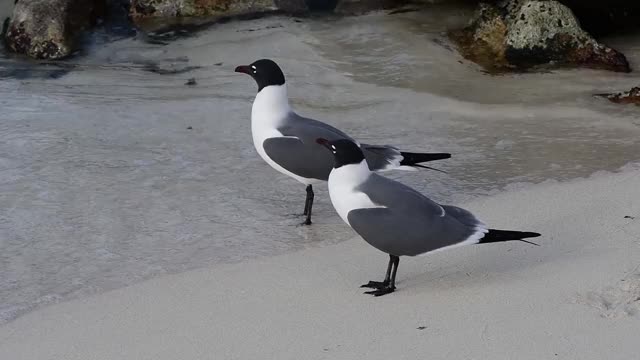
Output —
(572, 297)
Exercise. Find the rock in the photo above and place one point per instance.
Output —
(628, 97)
(47, 29)
(520, 34)
(483, 41)
(143, 9)
(187, 8)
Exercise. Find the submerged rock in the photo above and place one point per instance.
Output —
(628, 97)
(47, 29)
(520, 34)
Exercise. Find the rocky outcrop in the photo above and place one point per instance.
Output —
(520, 34)
(47, 29)
(187, 8)
(628, 97)
(144, 9)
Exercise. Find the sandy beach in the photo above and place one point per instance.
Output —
(577, 296)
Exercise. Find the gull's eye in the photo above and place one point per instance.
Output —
(254, 69)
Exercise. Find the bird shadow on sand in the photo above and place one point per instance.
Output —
(493, 264)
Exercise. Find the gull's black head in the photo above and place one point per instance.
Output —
(345, 152)
(265, 72)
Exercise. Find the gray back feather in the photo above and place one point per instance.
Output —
(410, 223)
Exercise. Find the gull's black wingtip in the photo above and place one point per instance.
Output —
(507, 235)
(411, 159)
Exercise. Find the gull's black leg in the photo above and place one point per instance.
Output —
(383, 283)
(390, 286)
(308, 205)
(306, 202)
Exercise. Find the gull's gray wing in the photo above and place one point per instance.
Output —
(308, 159)
(300, 157)
(298, 152)
(379, 157)
(408, 223)
(296, 125)
(463, 216)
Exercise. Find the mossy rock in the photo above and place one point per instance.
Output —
(520, 34)
(48, 29)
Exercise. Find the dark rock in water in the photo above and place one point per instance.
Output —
(191, 82)
(116, 19)
(171, 69)
(321, 5)
(48, 29)
(521, 34)
(28, 70)
(5, 26)
(305, 6)
(628, 97)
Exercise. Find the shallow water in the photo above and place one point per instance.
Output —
(102, 184)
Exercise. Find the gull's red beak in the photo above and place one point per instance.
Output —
(245, 69)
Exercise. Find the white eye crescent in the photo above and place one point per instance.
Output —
(333, 147)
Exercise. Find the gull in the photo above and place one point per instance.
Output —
(286, 140)
(397, 219)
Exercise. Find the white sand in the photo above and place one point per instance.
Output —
(575, 297)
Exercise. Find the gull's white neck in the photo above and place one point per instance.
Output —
(343, 183)
(350, 175)
(270, 107)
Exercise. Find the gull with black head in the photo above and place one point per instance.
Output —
(397, 219)
(286, 140)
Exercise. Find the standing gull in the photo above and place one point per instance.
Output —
(395, 218)
(286, 140)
